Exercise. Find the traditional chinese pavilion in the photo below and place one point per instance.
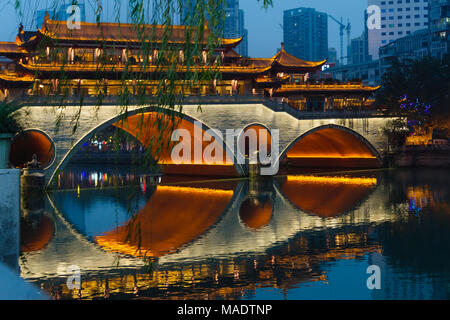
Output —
(92, 59)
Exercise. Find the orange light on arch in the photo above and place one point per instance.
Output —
(332, 147)
(327, 196)
(173, 217)
(146, 127)
(30, 142)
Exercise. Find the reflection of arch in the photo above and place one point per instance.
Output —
(255, 214)
(331, 146)
(29, 142)
(172, 218)
(327, 196)
(36, 236)
(259, 128)
(230, 168)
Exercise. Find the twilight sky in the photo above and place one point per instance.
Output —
(265, 33)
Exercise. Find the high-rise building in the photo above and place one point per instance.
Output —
(439, 25)
(234, 23)
(358, 51)
(399, 18)
(412, 46)
(306, 33)
(332, 56)
(60, 13)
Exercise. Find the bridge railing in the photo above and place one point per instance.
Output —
(275, 104)
(114, 100)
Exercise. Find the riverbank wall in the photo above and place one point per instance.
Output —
(10, 217)
(420, 156)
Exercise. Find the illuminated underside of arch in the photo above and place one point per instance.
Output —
(147, 128)
(334, 148)
(31, 142)
(173, 217)
(327, 196)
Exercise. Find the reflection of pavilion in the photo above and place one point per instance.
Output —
(224, 280)
(187, 225)
(232, 256)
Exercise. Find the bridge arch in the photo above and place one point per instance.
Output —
(228, 153)
(258, 127)
(29, 142)
(331, 146)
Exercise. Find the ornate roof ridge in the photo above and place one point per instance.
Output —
(286, 59)
(120, 32)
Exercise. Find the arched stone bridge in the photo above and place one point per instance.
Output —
(340, 138)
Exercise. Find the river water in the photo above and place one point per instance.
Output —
(329, 235)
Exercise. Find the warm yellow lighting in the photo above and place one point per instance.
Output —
(331, 157)
(333, 180)
(170, 162)
(195, 190)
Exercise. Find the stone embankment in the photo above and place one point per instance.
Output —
(431, 156)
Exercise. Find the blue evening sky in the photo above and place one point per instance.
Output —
(265, 33)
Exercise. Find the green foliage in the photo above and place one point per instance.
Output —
(425, 81)
(9, 120)
(397, 131)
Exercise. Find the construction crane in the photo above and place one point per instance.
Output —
(342, 28)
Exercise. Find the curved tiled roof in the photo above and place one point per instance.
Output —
(9, 47)
(123, 33)
(286, 59)
(232, 54)
(16, 78)
(261, 62)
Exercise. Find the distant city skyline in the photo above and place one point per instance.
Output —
(264, 25)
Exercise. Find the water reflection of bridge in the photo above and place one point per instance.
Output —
(231, 234)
